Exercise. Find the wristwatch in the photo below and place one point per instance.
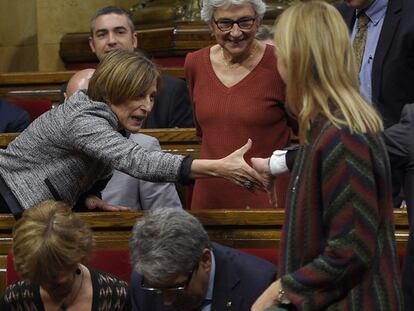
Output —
(282, 297)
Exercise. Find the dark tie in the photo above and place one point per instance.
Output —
(360, 38)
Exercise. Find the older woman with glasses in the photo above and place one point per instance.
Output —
(236, 94)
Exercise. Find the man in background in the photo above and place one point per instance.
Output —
(12, 118)
(112, 28)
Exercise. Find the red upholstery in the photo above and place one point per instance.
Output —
(116, 261)
(112, 261)
(34, 107)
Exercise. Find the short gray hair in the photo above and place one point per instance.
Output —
(112, 10)
(208, 7)
(166, 242)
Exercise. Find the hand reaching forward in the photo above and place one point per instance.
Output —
(232, 167)
(93, 202)
(261, 165)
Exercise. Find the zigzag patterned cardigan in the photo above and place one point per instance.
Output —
(338, 247)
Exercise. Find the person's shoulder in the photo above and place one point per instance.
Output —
(171, 81)
(79, 104)
(18, 292)
(143, 140)
(408, 110)
(110, 289)
(6, 107)
(194, 57)
(343, 8)
(107, 280)
(248, 262)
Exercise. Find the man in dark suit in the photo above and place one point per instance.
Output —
(178, 268)
(111, 29)
(388, 63)
(12, 118)
(389, 57)
(400, 146)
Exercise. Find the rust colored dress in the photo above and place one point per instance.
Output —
(227, 116)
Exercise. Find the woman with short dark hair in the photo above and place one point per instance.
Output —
(64, 152)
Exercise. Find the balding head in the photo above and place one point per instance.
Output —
(79, 81)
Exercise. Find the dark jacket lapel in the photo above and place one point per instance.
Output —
(389, 28)
(225, 295)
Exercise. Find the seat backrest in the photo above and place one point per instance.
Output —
(112, 261)
(34, 107)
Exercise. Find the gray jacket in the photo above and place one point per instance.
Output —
(138, 194)
(67, 149)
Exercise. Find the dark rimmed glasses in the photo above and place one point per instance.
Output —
(172, 290)
(244, 23)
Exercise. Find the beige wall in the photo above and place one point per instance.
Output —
(30, 30)
(18, 39)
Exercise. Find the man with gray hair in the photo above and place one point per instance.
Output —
(176, 267)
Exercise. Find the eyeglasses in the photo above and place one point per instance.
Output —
(244, 23)
(172, 290)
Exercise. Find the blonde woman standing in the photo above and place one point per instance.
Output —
(338, 247)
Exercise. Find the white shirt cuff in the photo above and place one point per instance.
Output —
(277, 162)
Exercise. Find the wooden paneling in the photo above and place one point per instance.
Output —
(46, 85)
(33, 85)
(166, 40)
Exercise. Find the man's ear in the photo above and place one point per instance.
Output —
(205, 262)
(135, 39)
(91, 45)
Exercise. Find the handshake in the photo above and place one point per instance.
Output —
(260, 176)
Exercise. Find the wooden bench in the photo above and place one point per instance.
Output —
(179, 141)
(238, 229)
(46, 85)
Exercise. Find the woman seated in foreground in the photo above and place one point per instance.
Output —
(50, 246)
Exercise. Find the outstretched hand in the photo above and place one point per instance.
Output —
(93, 202)
(235, 168)
(261, 165)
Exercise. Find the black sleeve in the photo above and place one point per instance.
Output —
(96, 189)
(185, 170)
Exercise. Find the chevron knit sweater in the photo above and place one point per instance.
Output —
(67, 149)
(338, 247)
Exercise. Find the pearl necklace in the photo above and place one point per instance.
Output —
(229, 65)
